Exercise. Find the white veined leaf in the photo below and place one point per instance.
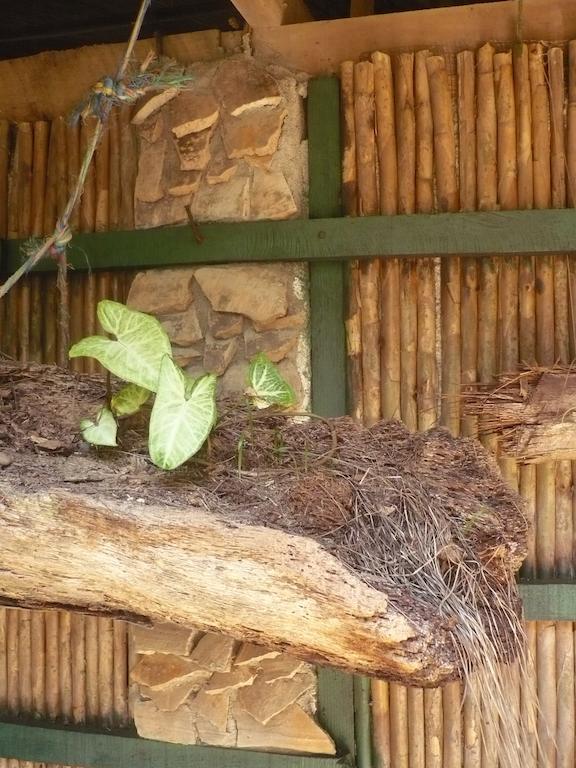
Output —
(136, 353)
(101, 431)
(267, 385)
(183, 415)
(129, 400)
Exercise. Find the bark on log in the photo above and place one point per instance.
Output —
(68, 550)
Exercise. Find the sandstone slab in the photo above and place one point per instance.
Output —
(276, 344)
(193, 111)
(185, 184)
(220, 682)
(284, 667)
(252, 290)
(158, 670)
(291, 731)
(251, 655)
(161, 291)
(171, 697)
(244, 86)
(253, 133)
(226, 326)
(163, 638)
(223, 202)
(152, 723)
(215, 709)
(183, 356)
(219, 354)
(270, 196)
(263, 700)
(149, 106)
(215, 737)
(149, 184)
(183, 328)
(214, 652)
(297, 320)
(194, 150)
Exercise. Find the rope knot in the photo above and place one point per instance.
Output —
(62, 237)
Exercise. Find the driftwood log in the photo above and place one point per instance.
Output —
(318, 544)
(533, 413)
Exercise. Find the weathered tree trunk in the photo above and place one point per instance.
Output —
(128, 558)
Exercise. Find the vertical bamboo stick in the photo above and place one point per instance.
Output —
(65, 665)
(73, 168)
(128, 163)
(38, 662)
(106, 671)
(398, 726)
(39, 169)
(571, 128)
(114, 189)
(12, 662)
(92, 705)
(545, 474)
(10, 333)
(49, 213)
(25, 662)
(426, 368)
(88, 201)
(406, 151)
(524, 127)
(78, 667)
(364, 116)
(51, 619)
(350, 204)
(389, 269)
(120, 673)
(3, 661)
(557, 152)
(49, 310)
(447, 194)
(25, 140)
(4, 165)
(448, 200)
(467, 155)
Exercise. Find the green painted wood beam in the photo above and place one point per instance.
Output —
(45, 743)
(553, 600)
(328, 238)
(328, 344)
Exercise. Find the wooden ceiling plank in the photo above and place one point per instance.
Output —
(273, 13)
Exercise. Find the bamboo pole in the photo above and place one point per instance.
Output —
(364, 117)
(467, 155)
(381, 723)
(350, 204)
(545, 474)
(25, 662)
(25, 141)
(448, 200)
(38, 662)
(115, 180)
(10, 335)
(571, 127)
(106, 671)
(3, 661)
(4, 166)
(52, 621)
(128, 163)
(406, 152)
(78, 667)
(524, 127)
(398, 726)
(92, 698)
(65, 665)
(73, 168)
(39, 170)
(12, 662)
(557, 151)
(88, 200)
(120, 673)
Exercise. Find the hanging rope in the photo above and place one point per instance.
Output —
(107, 93)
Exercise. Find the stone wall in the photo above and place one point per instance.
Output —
(196, 688)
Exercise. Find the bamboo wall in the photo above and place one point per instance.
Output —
(58, 665)
(481, 130)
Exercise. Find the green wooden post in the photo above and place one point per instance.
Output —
(344, 704)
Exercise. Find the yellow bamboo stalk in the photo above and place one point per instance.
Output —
(447, 195)
(92, 703)
(115, 181)
(398, 726)
(128, 164)
(52, 622)
(25, 141)
(38, 662)
(540, 127)
(571, 128)
(426, 367)
(39, 170)
(78, 667)
(4, 165)
(434, 720)
(557, 151)
(524, 127)
(364, 116)
(10, 337)
(3, 661)
(389, 268)
(121, 673)
(49, 309)
(65, 665)
(73, 168)
(350, 204)
(88, 201)
(106, 671)
(12, 662)
(25, 661)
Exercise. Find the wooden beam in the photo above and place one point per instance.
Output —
(273, 13)
(361, 7)
(320, 47)
(335, 239)
(46, 743)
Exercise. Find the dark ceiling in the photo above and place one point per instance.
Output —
(31, 26)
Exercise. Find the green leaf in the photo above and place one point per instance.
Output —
(183, 415)
(101, 431)
(267, 385)
(136, 353)
(129, 400)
